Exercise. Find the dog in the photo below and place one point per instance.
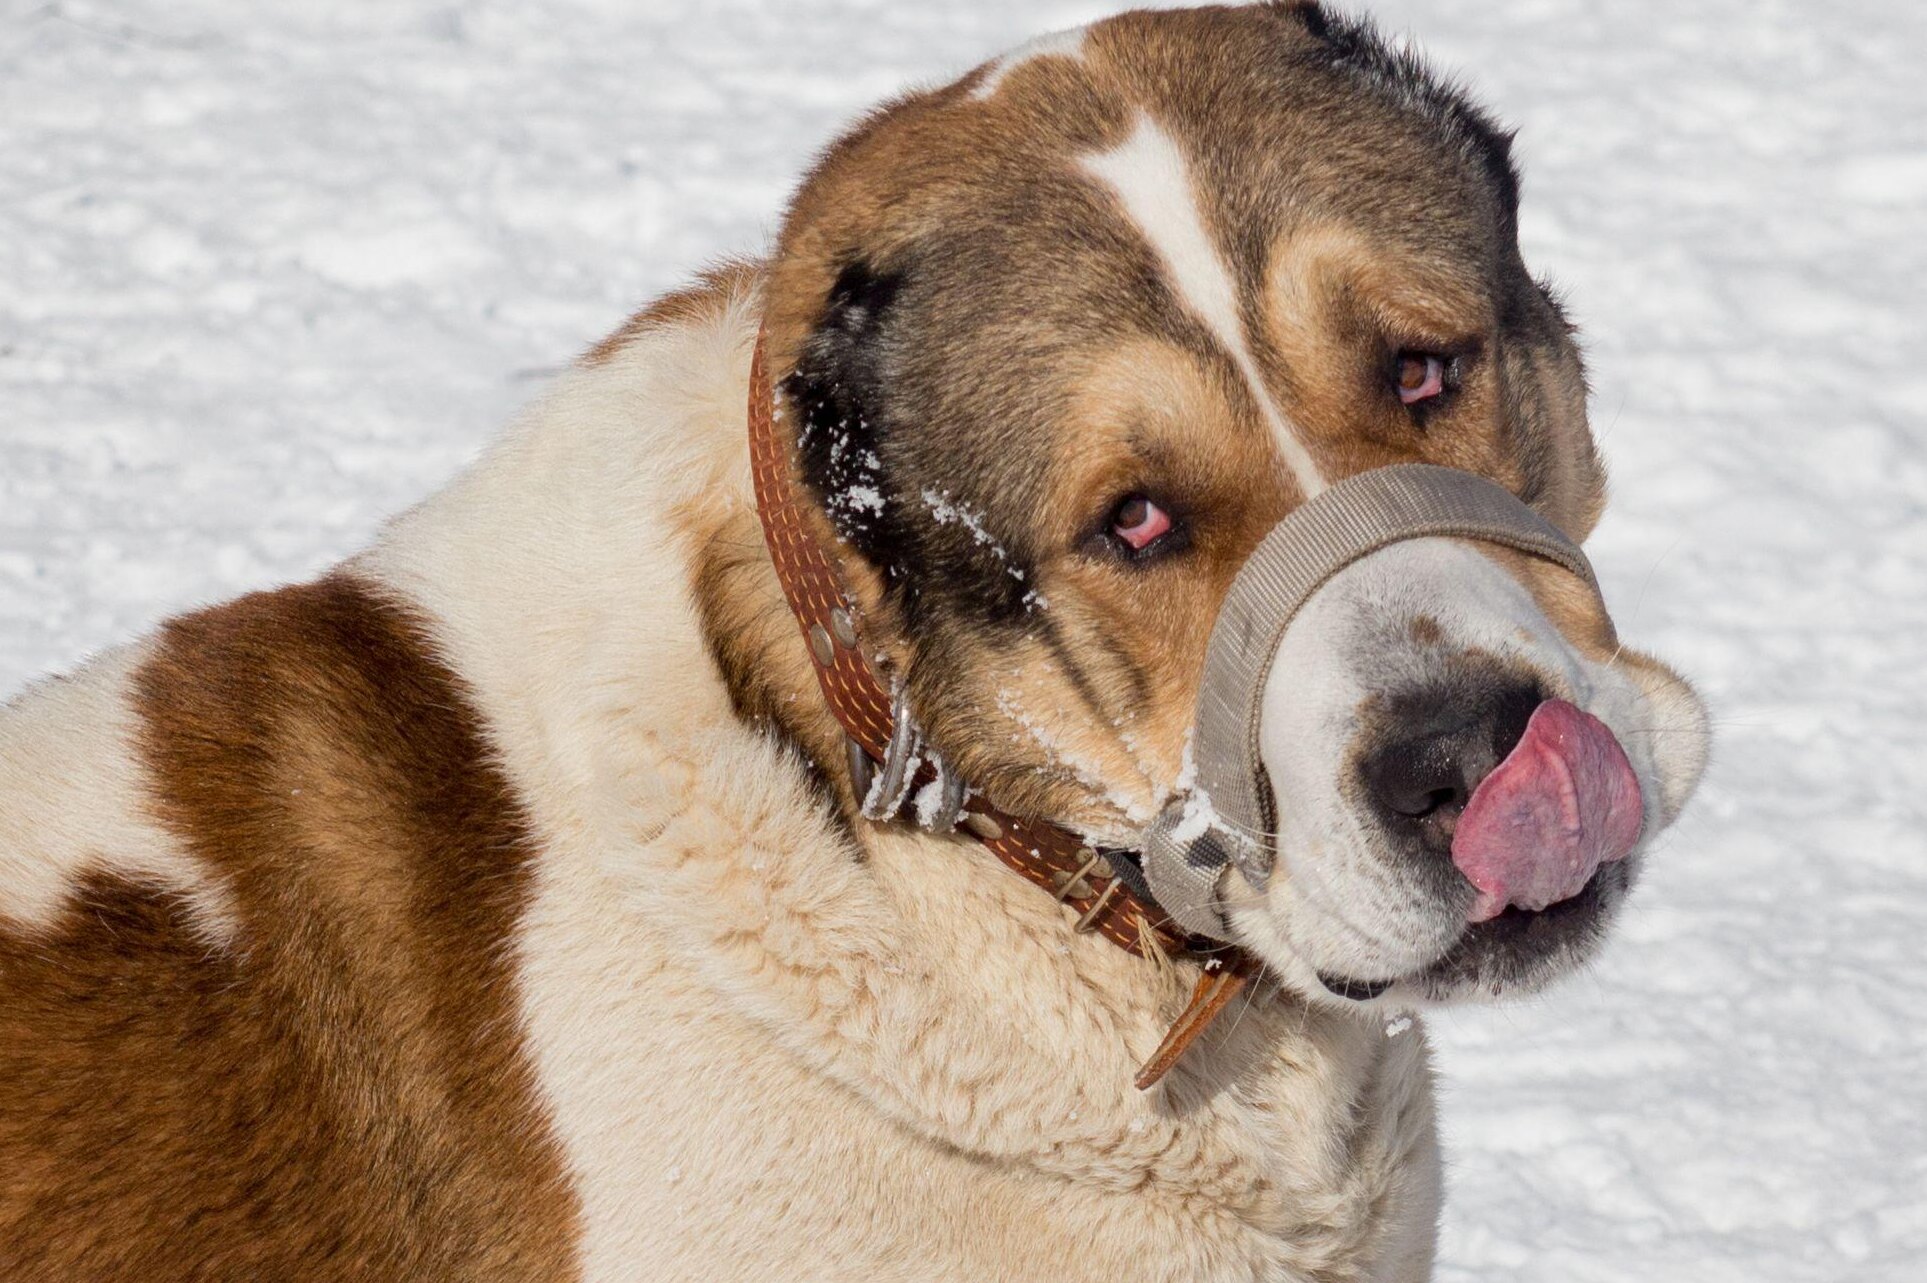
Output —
(503, 904)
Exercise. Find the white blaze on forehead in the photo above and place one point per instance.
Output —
(1057, 44)
(1148, 173)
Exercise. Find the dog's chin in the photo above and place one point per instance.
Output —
(1518, 953)
(1521, 952)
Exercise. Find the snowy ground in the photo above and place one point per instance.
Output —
(270, 272)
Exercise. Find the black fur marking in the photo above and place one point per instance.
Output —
(1067, 661)
(1141, 693)
(1356, 990)
(1313, 16)
(875, 475)
(1516, 299)
(838, 391)
(1556, 300)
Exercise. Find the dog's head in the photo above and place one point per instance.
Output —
(1062, 341)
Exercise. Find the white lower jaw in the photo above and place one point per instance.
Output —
(1257, 928)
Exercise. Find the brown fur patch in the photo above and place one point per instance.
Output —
(1567, 601)
(344, 1093)
(753, 641)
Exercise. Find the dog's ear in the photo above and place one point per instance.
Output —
(1309, 12)
(900, 491)
(842, 412)
(1346, 41)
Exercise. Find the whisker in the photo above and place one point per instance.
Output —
(1640, 600)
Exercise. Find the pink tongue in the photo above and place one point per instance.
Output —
(1562, 803)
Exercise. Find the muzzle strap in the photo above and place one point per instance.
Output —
(1226, 815)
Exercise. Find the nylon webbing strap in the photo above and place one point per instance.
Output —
(1351, 520)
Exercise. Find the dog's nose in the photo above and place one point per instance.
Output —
(1438, 747)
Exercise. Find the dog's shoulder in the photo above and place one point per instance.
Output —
(262, 873)
(264, 867)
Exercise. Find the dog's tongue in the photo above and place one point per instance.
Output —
(1563, 802)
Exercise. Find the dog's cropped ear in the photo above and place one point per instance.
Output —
(1347, 41)
(902, 491)
(860, 298)
(1309, 12)
(838, 393)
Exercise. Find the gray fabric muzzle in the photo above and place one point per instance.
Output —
(1224, 813)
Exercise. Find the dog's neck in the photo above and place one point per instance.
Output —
(882, 752)
(701, 514)
(590, 579)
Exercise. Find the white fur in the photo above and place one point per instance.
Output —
(1055, 44)
(1341, 903)
(768, 1057)
(1152, 181)
(73, 801)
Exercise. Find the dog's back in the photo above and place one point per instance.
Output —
(258, 874)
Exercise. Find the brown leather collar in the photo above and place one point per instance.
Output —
(1049, 855)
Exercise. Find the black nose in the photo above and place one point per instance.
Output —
(1435, 748)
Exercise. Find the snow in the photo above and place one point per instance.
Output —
(1197, 818)
(865, 498)
(928, 802)
(947, 511)
(269, 273)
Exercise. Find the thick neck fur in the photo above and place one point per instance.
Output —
(600, 580)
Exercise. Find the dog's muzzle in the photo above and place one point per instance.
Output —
(1223, 812)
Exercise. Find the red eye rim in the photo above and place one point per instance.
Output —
(1138, 523)
(1419, 376)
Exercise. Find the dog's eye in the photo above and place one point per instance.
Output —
(1139, 522)
(1420, 376)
